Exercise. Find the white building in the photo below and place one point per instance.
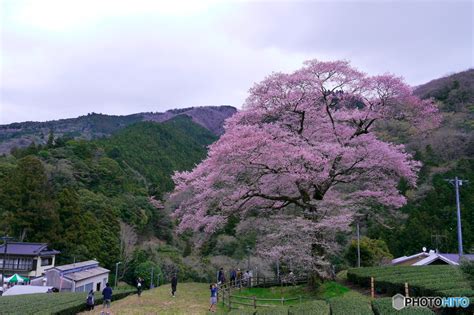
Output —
(79, 277)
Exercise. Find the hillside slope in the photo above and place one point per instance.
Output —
(86, 198)
(430, 215)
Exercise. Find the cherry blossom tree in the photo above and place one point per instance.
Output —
(303, 157)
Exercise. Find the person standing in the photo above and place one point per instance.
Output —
(213, 288)
(221, 277)
(107, 294)
(233, 276)
(90, 301)
(246, 278)
(174, 284)
(239, 277)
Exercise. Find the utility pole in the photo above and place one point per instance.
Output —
(152, 285)
(248, 257)
(5, 246)
(358, 246)
(116, 273)
(458, 182)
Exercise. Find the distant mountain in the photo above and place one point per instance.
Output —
(455, 96)
(456, 88)
(93, 126)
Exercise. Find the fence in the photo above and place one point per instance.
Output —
(227, 292)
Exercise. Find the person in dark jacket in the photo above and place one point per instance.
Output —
(220, 276)
(139, 286)
(174, 284)
(107, 294)
(90, 301)
(233, 276)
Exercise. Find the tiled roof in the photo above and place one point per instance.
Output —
(28, 249)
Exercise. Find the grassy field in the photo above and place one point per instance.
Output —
(191, 298)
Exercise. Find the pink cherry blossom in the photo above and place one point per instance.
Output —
(303, 157)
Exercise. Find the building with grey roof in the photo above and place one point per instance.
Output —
(78, 277)
(27, 259)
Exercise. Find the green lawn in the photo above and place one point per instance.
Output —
(294, 293)
(331, 289)
(191, 298)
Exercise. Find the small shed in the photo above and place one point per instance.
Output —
(78, 277)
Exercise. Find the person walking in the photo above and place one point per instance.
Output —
(139, 286)
(107, 294)
(90, 301)
(174, 284)
(213, 288)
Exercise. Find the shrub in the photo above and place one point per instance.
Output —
(373, 252)
(350, 303)
(467, 267)
(384, 306)
(422, 280)
(315, 307)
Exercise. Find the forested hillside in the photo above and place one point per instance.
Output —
(430, 217)
(97, 199)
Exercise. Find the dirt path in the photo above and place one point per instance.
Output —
(191, 298)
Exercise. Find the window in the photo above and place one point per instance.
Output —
(46, 261)
(88, 287)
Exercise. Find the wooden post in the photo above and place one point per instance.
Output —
(406, 290)
(282, 300)
(254, 302)
(372, 288)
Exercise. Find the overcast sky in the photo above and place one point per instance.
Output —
(66, 58)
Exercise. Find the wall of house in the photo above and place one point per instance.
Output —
(53, 279)
(96, 283)
(40, 270)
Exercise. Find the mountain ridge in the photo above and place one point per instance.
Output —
(94, 125)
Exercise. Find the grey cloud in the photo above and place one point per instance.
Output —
(148, 63)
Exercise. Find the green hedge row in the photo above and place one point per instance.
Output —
(384, 306)
(422, 280)
(350, 303)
